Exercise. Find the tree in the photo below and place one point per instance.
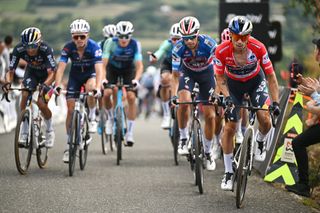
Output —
(311, 7)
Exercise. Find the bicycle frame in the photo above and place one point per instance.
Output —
(120, 105)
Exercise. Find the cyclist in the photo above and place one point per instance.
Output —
(108, 31)
(166, 70)
(40, 69)
(86, 68)
(192, 59)
(122, 57)
(238, 71)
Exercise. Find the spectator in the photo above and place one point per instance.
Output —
(310, 87)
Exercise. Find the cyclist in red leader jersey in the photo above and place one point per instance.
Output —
(238, 71)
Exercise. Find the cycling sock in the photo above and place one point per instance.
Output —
(92, 113)
(184, 133)
(130, 124)
(216, 139)
(228, 162)
(109, 113)
(239, 125)
(49, 124)
(207, 145)
(261, 137)
(243, 129)
(166, 108)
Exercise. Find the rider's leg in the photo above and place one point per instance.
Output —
(132, 111)
(90, 86)
(47, 115)
(108, 110)
(183, 113)
(209, 115)
(262, 133)
(166, 78)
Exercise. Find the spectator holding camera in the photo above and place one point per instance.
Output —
(310, 87)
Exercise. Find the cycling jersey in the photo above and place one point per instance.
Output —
(165, 49)
(257, 55)
(122, 57)
(42, 61)
(92, 55)
(202, 60)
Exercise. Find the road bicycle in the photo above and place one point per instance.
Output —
(120, 118)
(244, 155)
(79, 137)
(29, 133)
(196, 155)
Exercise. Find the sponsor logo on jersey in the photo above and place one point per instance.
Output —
(265, 59)
(98, 53)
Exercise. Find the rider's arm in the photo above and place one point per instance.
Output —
(273, 87)
(59, 74)
(219, 69)
(222, 85)
(51, 66)
(164, 47)
(105, 56)
(138, 62)
(13, 65)
(50, 78)
(176, 63)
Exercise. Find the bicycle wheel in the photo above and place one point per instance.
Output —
(42, 150)
(118, 134)
(85, 136)
(175, 140)
(198, 156)
(103, 135)
(243, 168)
(23, 151)
(74, 135)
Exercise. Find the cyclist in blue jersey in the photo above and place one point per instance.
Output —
(192, 61)
(123, 58)
(108, 31)
(40, 70)
(86, 68)
(166, 70)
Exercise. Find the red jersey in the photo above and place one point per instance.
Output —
(257, 55)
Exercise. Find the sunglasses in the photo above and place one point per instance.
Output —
(126, 37)
(32, 46)
(175, 39)
(186, 38)
(82, 37)
(243, 38)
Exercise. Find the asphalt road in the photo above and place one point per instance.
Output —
(146, 181)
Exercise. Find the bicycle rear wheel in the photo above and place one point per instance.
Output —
(243, 168)
(118, 134)
(103, 134)
(74, 135)
(23, 151)
(198, 156)
(85, 136)
(42, 150)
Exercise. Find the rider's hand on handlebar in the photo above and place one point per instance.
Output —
(96, 93)
(6, 87)
(104, 83)
(275, 109)
(214, 99)
(228, 101)
(173, 101)
(135, 84)
(152, 57)
(57, 90)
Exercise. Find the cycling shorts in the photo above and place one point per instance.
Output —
(34, 77)
(114, 73)
(166, 66)
(76, 80)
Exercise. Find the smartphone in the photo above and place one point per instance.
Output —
(295, 70)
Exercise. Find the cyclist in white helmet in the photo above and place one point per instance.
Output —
(166, 71)
(243, 67)
(108, 31)
(122, 57)
(40, 69)
(86, 68)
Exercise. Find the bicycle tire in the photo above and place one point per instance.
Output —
(175, 141)
(103, 134)
(198, 156)
(118, 134)
(242, 170)
(42, 150)
(84, 134)
(73, 138)
(23, 162)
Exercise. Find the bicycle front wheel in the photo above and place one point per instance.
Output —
(243, 168)
(74, 135)
(197, 141)
(175, 140)
(85, 137)
(118, 134)
(42, 150)
(23, 141)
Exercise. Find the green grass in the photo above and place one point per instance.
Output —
(13, 5)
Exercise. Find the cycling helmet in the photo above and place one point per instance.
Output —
(225, 35)
(79, 26)
(124, 28)
(175, 30)
(189, 26)
(31, 35)
(240, 25)
(109, 30)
